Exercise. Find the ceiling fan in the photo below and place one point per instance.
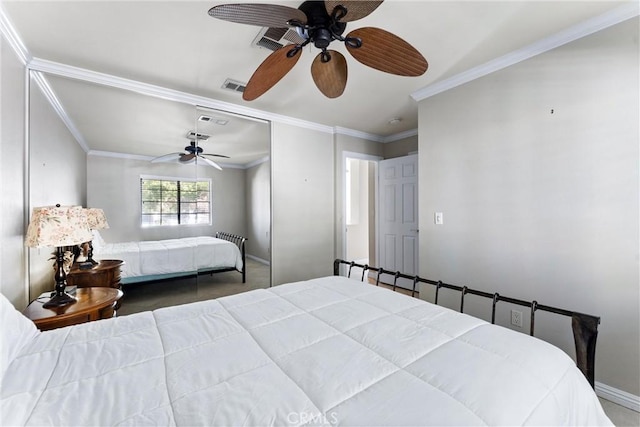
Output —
(320, 23)
(192, 152)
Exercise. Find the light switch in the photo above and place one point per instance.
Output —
(438, 218)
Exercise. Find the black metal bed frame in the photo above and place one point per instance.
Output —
(584, 326)
(239, 241)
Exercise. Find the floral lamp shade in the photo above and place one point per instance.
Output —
(58, 226)
(96, 219)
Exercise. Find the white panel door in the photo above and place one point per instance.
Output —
(398, 186)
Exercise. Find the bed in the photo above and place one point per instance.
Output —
(327, 351)
(164, 259)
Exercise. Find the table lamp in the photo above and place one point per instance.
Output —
(97, 221)
(58, 226)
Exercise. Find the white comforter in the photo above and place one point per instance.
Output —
(157, 257)
(328, 351)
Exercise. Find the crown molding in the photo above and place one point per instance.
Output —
(48, 92)
(11, 35)
(590, 26)
(257, 162)
(116, 155)
(64, 70)
(357, 134)
(402, 135)
(374, 137)
(69, 71)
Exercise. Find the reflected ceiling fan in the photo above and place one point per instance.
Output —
(192, 153)
(320, 23)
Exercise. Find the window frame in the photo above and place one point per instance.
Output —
(176, 180)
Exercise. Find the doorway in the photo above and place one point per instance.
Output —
(360, 190)
(381, 213)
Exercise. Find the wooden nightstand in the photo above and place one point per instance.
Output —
(104, 274)
(93, 304)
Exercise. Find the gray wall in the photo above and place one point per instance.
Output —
(540, 204)
(58, 174)
(303, 223)
(258, 195)
(400, 148)
(114, 185)
(12, 227)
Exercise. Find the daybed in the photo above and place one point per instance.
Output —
(163, 259)
(328, 351)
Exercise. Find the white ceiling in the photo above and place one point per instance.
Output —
(176, 45)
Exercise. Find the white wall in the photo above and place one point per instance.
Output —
(302, 174)
(536, 168)
(12, 227)
(114, 185)
(258, 194)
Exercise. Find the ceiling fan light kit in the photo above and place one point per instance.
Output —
(320, 23)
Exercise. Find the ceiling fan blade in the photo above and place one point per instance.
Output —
(187, 157)
(210, 163)
(387, 52)
(167, 157)
(272, 69)
(356, 9)
(215, 155)
(262, 15)
(330, 76)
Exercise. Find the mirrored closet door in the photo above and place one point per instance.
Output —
(144, 161)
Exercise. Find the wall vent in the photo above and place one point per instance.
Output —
(274, 38)
(234, 85)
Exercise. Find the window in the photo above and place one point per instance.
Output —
(167, 201)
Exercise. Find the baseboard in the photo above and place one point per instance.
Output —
(620, 397)
(260, 260)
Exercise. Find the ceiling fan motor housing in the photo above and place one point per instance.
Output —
(323, 29)
(193, 149)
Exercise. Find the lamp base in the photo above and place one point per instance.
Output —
(59, 299)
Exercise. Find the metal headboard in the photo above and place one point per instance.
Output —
(584, 326)
(240, 242)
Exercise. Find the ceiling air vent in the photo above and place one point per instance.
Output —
(275, 38)
(209, 119)
(234, 85)
(201, 136)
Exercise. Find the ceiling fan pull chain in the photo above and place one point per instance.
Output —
(325, 56)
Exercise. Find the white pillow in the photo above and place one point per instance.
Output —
(97, 242)
(16, 331)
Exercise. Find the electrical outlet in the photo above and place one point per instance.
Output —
(516, 318)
